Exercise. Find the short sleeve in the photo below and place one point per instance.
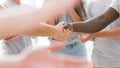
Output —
(116, 5)
(89, 7)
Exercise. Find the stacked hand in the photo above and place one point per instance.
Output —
(62, 34)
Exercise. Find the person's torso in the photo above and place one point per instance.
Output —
(18, 44)
(105, 49)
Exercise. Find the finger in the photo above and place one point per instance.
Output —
(65, 27)
(81, 39)
(68, 32)
(61, 23)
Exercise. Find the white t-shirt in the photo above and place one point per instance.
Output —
(19, 44)
(106, 51)
(116, 5)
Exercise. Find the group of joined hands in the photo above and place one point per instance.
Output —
(45, 56)
(63, 32)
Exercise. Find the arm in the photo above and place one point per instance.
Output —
(10, 25)
(96, 24)
(112, 33)
(27, 19)
(51, 21)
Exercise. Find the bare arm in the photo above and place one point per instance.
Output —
(51, 21)
(112, 33)
(23, 20)
(98, 23)
(22, 25)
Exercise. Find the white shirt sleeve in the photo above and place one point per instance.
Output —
(89, 7)
(116, 5)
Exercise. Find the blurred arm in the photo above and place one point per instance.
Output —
(43, 58)
(25, 20)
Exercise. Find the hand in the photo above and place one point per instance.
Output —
(68, 26)
(43, 58)
(86, 37)
(62, 34)
(10, 38)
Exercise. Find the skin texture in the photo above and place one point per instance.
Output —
(96, 24)
(112, 33)
(8, 38)
(76, 14)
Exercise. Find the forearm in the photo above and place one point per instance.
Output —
(41, 29)
(51, 21)
(14, 20)
(96, 24)
(112, 33)
(19, 20)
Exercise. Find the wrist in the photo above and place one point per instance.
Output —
(54, 33)
(68, 26)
